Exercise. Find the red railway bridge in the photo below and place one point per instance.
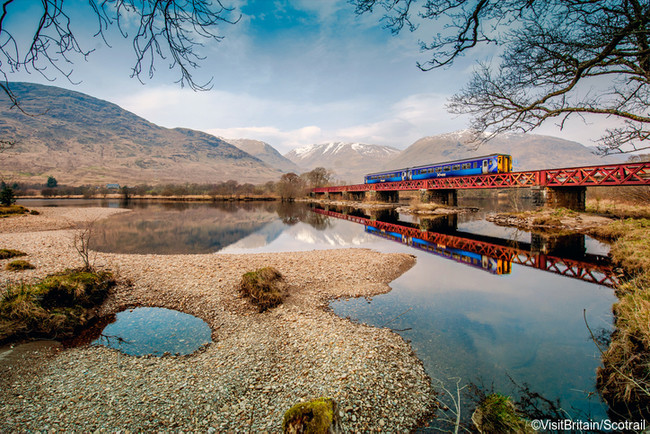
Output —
(589, 269)
(554, 187)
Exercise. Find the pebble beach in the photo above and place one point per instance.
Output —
(258, 364)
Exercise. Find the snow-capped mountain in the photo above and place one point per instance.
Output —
(348, 161)
(529, 151)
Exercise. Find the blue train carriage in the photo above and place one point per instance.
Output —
(486, 263)
(396, 175)
(494, 163)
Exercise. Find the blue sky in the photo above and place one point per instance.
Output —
(291, 73)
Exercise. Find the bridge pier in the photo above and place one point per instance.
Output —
(383, 215)
(443, 223)
(442, 197)
(336, 195)
(572, 245)
(560, 197)
(356, 196)
(382, 196)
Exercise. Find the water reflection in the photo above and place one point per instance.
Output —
(182, 228)
(560, 254)
(155, 331)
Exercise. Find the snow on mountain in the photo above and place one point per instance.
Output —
(348, 161)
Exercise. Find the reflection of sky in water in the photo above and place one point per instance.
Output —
(154, 330)
(479, 326)
(463, 321)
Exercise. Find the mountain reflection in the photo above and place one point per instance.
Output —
(181, 228)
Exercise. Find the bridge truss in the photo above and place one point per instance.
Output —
(590, 176)
(593, 272)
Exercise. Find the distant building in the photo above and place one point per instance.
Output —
(113, 186)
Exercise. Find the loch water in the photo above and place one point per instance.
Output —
(485, 307)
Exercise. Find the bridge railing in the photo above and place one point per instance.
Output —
(588, 176)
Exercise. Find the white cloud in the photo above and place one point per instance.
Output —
(282, 140)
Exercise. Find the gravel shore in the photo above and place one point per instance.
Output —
(257, 366)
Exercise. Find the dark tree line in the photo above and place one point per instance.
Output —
(559, 59)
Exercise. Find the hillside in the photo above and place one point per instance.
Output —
(529, 151)
(266, 153)
(348, 161)
(79, 139)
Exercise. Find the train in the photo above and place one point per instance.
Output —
(493, 163)
(476, 260)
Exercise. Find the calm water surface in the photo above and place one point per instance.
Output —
(155, 331)
(470, 317)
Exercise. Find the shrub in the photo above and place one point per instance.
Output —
(317, 416)
(10, 253)
(19, 265)
(53, 308)
(12, 209)
(264, 287)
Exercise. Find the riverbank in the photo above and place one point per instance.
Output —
(258, 365)
(161, 198)
(623, 378)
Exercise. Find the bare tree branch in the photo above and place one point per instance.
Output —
(560, 59)
(171, 30)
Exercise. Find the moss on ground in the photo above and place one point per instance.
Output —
(497, 414)
(264, 287)
(19, 265)
(10, 253)
(314, 417)
(11, 210)
(53, 308)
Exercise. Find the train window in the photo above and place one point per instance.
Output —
(456, 166)
(438, 169)
(475, 165)
(446, 168)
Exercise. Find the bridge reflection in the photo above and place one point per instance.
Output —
(564, 255)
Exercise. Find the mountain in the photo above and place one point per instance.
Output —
(79, 139)
(348, 161)
(529, 151)
(266, 153)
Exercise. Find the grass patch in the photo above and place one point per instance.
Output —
(19, 265)
(624, 379)
(317, 416)
(497, 414)
(618, 209)
(264, 287)
(6, 211)
(53, 308)
(630, 243)
(10, 253)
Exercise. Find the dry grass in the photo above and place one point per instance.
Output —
(10, 253)
(624, 379)
(631, 243)
(264, 287)
(53, 308)
(618, 209)
(12, 210)
(19, 265)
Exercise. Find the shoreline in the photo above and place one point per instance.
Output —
(257, 366)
